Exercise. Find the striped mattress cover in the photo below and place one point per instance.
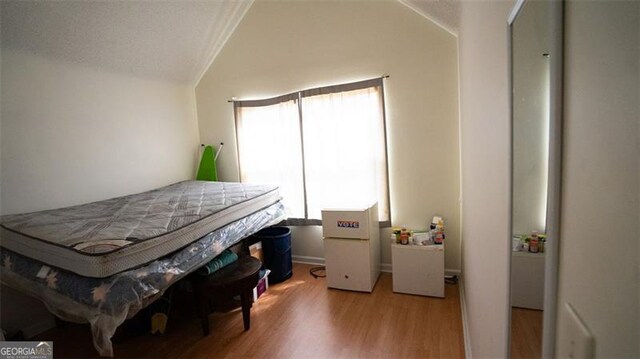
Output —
(104, 238)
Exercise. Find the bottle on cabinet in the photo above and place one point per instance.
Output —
(437, 226)
(404, 236)
(534, 241)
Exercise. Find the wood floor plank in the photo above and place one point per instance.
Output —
(526, 333)
(301, 318)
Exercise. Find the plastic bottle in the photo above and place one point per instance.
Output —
(397, 234)
(439, 238)
(404, 236)
(533, 242)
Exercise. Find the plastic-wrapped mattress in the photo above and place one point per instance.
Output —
(103, 238)
(106, 302)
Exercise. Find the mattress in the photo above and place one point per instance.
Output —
(103, 238)
(106, 302)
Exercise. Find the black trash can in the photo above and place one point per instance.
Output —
(276, 247)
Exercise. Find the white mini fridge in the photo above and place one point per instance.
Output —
(351, 248)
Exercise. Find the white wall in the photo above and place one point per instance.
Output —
(74, 134)
(485, 158)
(322, 43)
(599, 238)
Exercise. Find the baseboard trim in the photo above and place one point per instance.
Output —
(384, 267)
(319, 261)
(465, 319)
(39, 327)
(452, 272)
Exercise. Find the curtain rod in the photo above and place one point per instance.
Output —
(385, 76)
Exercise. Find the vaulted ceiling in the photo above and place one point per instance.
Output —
(169, 40)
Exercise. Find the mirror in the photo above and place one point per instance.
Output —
(535, 52)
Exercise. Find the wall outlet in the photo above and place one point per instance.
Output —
(576, 341)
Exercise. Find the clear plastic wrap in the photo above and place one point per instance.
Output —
(106, 302)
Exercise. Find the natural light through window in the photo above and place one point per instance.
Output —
(324, 147)
(271, 152)
(344, 153)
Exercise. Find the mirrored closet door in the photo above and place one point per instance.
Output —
(535, 49)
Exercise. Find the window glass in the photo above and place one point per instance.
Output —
(326, 151)
(270, 152)
(344, 151)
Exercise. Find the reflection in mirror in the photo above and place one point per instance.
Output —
(530, 140)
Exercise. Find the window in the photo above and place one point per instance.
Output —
(324, 147)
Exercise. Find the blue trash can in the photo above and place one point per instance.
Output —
(276, 247)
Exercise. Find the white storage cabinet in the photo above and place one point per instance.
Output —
(351, 248)
(418, 269)
(527, 280)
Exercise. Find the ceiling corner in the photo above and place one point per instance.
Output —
(221, 31)
(444, 13)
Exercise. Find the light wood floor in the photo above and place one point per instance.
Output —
(526, 333)
(301, 318)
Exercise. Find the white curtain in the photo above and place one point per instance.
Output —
(344, 151)
(270, 151)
